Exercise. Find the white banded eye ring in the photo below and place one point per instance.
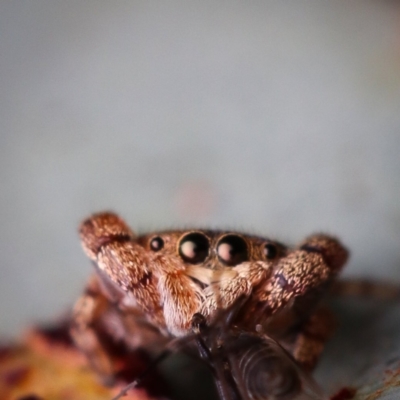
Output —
(232, 250)
(156, 243)
(194, 248)
(270, 251)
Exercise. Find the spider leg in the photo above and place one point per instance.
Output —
(310, 341)
(86, 314)
(366, 288)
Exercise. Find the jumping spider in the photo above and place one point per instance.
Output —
(250, 304)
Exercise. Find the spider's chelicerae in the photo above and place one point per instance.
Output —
(250, 305)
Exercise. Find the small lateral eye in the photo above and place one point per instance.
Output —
(156, 243)
(232, 250)
(270, 251)
(193, 248)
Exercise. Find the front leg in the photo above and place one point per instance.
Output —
(112, 246)
(153, 283)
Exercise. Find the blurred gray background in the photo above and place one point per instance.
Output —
(279, 118)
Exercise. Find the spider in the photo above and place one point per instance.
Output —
(250, 306)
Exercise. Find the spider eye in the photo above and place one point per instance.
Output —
(193, 248)
(232, 250)
(156, 243)
(270, 251)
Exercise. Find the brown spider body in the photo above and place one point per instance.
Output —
(147, 289)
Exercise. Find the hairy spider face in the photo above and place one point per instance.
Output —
(157, 282)
(171, 275)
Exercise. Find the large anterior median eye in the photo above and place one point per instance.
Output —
(193, 248)
(232, 250)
